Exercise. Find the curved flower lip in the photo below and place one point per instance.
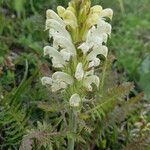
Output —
(56, 56)
(50, 14)
(108, 12)
(96, 9)
(103, 27)
(94, 63)
(65, 54)
(89, 80)
(63, 42)
(92, 35)
(75, 100)
(57, 27)
(103, 50)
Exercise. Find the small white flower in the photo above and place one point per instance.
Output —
(94, 63)
(58, 86)
(89, 80)
(107, 13)
(56, 63)
(94, 37)
(75, 100)
(92, 56)
(65, 54)
(103, 50)
(56, 56)
(79, 72)
(64, 43)
(60, 81)
(84, 47)
(62, 77)
(46, 81)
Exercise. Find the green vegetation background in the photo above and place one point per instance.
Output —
(22, 38)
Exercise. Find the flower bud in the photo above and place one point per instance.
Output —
(75, 100)
(79, 72)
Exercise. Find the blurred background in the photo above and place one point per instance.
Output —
(22, 38)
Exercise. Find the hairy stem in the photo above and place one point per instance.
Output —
(72, 126)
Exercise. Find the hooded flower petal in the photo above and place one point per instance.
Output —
(60, 11)
(70, 19)
(107, 13)
(46, 81)
(79, 72)
(103, 27)
(75, 100)
(56, 56)
(57, 28)
(96, 9)
(50, 14)
(89, 80)
(92, 56)
(94, 38)
(93, 15)
(103, 50)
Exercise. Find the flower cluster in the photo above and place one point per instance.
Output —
(79, 35)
